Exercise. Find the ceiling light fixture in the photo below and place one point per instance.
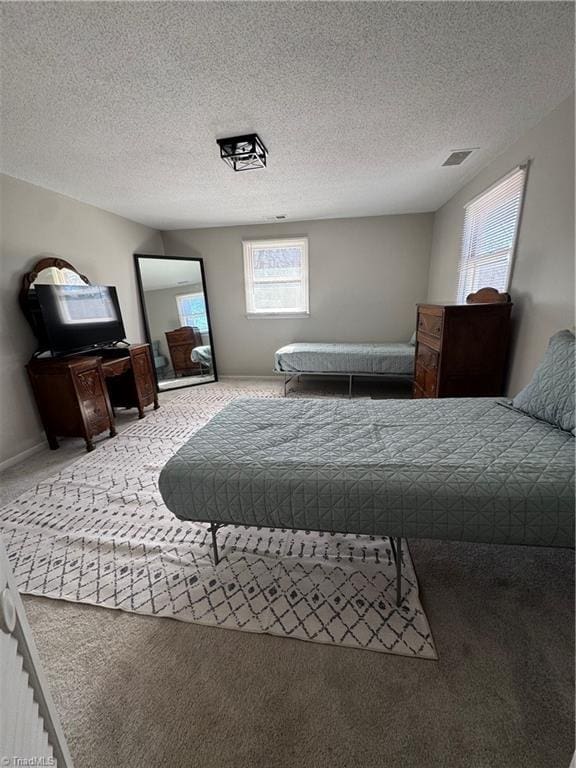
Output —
(243, 153)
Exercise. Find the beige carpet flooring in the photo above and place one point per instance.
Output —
(135, 691)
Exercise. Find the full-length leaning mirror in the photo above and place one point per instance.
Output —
(177, 319)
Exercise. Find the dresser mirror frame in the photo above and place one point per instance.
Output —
(26, 297)
(189, 380)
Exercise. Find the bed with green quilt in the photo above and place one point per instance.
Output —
(464, 469)
(474, 469)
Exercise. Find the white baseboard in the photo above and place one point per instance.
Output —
(7, 463)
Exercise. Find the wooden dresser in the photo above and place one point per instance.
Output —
(461, 349)
(76, 395)
(181, 342)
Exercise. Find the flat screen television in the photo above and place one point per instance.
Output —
(79, 317)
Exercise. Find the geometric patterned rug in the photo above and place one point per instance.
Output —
(99, 533)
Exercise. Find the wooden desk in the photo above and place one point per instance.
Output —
(76, 395)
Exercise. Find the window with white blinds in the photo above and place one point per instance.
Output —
(192, 311)
(276, 277)
(489, 236)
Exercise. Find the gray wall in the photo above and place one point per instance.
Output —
(162, 311)
(542, 285)
(36, 223)
(366, 275)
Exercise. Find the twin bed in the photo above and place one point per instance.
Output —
(202, 355)
(324, 359)
(463, 469)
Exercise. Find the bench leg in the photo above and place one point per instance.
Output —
(398, 571)
(350, 386)
(396, 544)
(287, 379)
(213, 528)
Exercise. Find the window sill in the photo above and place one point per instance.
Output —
(277, 315)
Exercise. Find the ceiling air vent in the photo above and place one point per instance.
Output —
(458, 156)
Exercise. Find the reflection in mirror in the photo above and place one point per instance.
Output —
(175, 308)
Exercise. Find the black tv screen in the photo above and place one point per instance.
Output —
(78, 317)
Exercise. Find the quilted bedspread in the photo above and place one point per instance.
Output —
(202, 355)
(345, 358)
(460, 469)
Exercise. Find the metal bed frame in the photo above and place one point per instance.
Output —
(288, 377)
(395, 542)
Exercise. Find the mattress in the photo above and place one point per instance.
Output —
(345, 358)
(202, 355)
(459, 469)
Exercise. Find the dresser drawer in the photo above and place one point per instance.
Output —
(426, 357)
(430, 324)
(427, 380)
(417, 393)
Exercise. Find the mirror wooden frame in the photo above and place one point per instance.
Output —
(200, 261)
(28, 280)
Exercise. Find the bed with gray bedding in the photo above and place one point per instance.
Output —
(202, 355)
(368, 359)
(460, 469)
(467, 469)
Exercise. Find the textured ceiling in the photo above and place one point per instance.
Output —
(119, 104)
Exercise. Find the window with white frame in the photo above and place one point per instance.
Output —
(192, 310)
(276, 277)
(489, 236)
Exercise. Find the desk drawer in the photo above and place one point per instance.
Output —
(92, 400)
(116, 367)
(143, 376)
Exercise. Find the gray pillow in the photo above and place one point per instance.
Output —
(413, 339)
(550, 394)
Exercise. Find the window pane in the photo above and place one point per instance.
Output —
(496, 229)
(276, 276)
(486, 274)
(278, 296)
(192, 311)
(277, 263)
